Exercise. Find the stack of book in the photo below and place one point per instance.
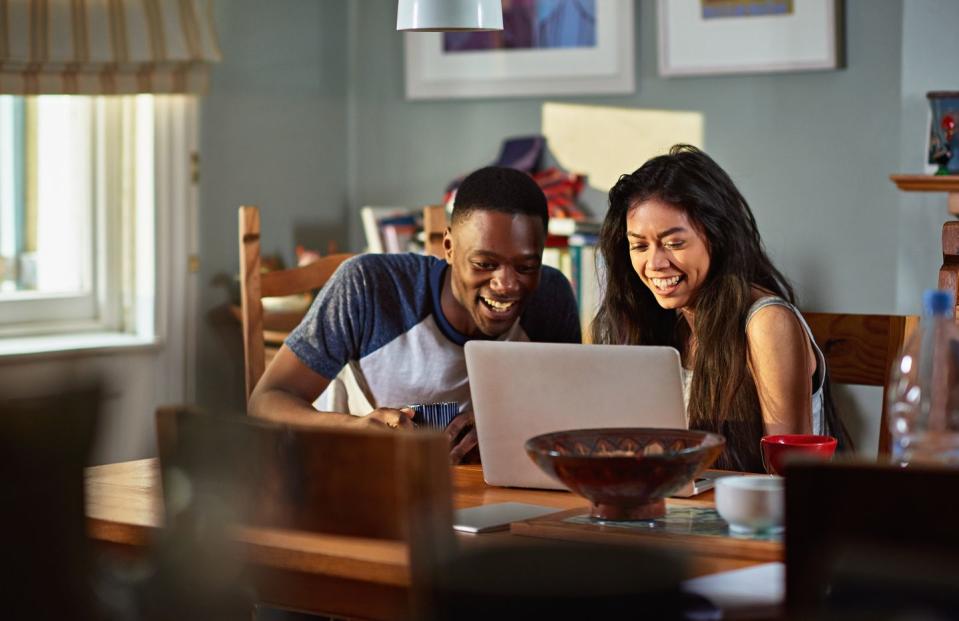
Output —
(571, 248)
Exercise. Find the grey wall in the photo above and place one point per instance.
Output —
(274, 130)
(929, 52)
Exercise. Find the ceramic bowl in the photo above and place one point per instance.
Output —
(751, 503)
(625, 473)
(777, 450)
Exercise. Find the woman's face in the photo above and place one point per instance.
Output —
(668, 254)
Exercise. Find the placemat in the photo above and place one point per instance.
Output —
(682, 521)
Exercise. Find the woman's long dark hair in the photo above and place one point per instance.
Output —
(723, 396)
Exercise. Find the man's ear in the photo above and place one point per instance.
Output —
(448, 244)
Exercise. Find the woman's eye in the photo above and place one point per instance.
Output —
(673, 245)
(637, 248)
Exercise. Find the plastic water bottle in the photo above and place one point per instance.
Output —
(923, 394)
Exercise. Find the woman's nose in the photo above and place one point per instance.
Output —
(659, 260)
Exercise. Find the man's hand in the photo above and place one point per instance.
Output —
(388, 418)
(459, 449)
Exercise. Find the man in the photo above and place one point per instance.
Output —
(389, 330)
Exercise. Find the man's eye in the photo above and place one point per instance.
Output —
(484, 266)
(527, 269)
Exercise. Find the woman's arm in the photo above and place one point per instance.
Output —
(782, 363)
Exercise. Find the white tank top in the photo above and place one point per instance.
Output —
(818, 379)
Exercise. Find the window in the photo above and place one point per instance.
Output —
(77, 214)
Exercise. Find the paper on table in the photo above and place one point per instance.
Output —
(759, 589)
(497, 516)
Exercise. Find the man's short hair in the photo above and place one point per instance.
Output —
(500, 189)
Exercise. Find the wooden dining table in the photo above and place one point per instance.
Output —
(370, 578)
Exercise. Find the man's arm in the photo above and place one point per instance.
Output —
(288, 388)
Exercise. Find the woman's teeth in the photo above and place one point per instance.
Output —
(496, 305)
(666, 283)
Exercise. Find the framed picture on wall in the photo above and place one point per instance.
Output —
(547, 47)
(707, 37)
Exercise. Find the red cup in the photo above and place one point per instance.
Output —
(778, 449)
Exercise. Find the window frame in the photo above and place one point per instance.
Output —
(166, 311)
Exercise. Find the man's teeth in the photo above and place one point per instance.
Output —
(500, 306)
(666, 283)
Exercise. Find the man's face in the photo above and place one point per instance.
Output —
(494, 268)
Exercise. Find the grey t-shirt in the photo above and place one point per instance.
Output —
(377, 330)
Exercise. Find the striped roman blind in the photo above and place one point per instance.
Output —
(106, 47)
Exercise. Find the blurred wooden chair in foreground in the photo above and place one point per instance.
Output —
(359, 494)
(263, 336)
(861, 349)
(868, 541)
(45, 443)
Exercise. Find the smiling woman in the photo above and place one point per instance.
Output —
(686, 267)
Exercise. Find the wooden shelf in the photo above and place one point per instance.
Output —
(926, 183)
(932, 183)
(949, 272)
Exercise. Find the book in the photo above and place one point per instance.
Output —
(373, 219)
(568, 226)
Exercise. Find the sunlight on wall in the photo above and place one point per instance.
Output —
(604, 142)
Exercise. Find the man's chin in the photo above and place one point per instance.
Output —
(494, 329)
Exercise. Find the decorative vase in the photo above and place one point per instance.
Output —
(943, 140)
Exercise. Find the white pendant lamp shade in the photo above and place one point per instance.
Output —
(449, 15)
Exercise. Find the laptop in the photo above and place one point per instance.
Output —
(520, 390)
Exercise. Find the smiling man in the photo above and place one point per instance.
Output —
(388, 329)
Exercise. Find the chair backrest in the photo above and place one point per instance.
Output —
(351, 486)
(434, 227)
(870, 541)
(255, 286)
(45, 442)
(861, 349)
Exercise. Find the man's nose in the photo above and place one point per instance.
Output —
(505, 281)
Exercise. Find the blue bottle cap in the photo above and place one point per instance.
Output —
(938, 302)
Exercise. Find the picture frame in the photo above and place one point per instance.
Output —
(608, 66)
(730, 37)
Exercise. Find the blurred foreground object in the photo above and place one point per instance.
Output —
(871, 541)
(45, 443)
(541, 580)
(233, 482)
(923, 397)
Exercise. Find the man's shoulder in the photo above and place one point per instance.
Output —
(552, 315)
(398, 264)
(553, 285)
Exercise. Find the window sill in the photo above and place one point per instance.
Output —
(62, 345)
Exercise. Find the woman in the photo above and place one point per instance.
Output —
(686, 267)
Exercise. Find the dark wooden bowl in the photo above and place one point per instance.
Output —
(625, 473)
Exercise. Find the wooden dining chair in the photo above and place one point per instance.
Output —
(366, 496)
(263, 334)
(871, 541)
(45, 443)
(861, 349)
(434, 227)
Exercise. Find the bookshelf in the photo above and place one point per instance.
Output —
(571, 248)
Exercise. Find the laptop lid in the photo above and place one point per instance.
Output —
(520, 390)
